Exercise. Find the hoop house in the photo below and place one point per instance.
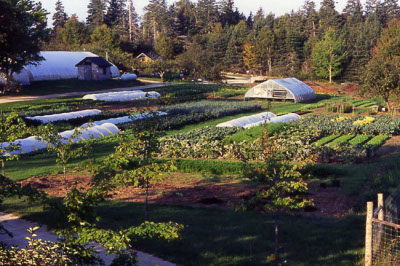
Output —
(123, 96)
(277, 119)
(65, 116)
(282, 89)
(56, 65)
(32, 144)
(127, 77)
(125, 119)
(243, 121)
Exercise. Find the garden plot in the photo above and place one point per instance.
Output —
(44, 119)
(277, 119)
(123, 96)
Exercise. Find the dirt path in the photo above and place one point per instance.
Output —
(11, 99)
(17, 226)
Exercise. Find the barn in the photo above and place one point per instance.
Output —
(94, 68)
(56, 65)
(282, 89)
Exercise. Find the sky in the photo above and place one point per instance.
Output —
(278, 7)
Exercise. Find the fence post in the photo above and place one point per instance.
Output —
(368, 234)
(380, 204)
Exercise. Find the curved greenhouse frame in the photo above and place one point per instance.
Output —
(243, 121)
(277, 119)
(283, 89)
(56, 65)
(125, 119)
(64, 116)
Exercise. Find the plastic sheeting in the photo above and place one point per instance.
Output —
(243, 121)
(127, 77)
(56, 65)
(32, 144)
(289, 88)
(125, 119)
(122, 96)
(277, 119)
(65, 116)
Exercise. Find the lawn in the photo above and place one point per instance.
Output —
(225, 237)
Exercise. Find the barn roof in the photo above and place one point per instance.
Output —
(301, 92)
(97, 60)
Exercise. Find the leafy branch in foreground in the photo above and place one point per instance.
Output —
(280, 185)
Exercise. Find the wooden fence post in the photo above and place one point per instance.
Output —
(368, 234)
(380, 204)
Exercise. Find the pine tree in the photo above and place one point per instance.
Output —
(96, 15)
(391, 9)
(328, 15)
(133, 22)
(113, 15)
(234, 52)
(227, 13)
(155, 20)
(207, 15)
(311, 16)
(59, 17)
(353, 12)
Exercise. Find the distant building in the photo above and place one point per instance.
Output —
(282, 89)
(94, 68)
(55, 66)
(146, 59)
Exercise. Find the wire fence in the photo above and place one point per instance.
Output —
(382, 239)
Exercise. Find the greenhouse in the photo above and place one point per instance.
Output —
(277, 119)
(125, 119)
(56, 65)
(122, 96)
(282, 89)
(65, 116)
(243, 121)
(32, 144)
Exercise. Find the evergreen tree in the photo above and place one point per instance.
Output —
(228, 16)
(96, 15)
(391, 9)
(59, 17)
(353, 12)
(328, 15)
(311, 17)
(155, 20)
(234, 52)
(113, 15)
(250, 20)
(133, 22)
(184, 18)
(207, 15)
(74, 34)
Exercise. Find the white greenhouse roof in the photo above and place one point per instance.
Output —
(243, 121)
(299, 90)
(277, 119)
(125, 119)
(56, 65)
(122, 96)
(32, 144)
(65, 116)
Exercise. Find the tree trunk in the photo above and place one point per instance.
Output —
(389, 107)
(269, 65)
(330, 74)
(276, 234)
(146, 203)
(65, 177)
(3, 166)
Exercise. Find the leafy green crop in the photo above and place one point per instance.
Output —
(359, 140)
(376, 141)
(325, 140)
(340, 140)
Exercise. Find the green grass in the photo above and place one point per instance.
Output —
(72, 85)
(325, 140)
(225, 237)
(341, 140)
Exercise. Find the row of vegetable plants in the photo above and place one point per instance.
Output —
(180, 115)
